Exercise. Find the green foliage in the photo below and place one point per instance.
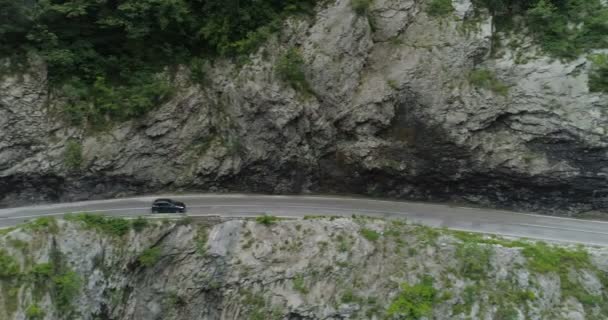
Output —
(66, 288)
(414, 302)
(506, 313)
(266, 220)
(42, 271)
(48, 224)
(598, 77)
(290, 68)
(104, 56)
(484, 78)
(299, 285)
(72, 156)
(109, 225)
(201, 240)
(361, 7)
(139, 224)
(475, 259)
(9, 267)
(258, 308)
(150, 257)
(349, 296)
(545, 258)
(4, 231)
(102, 100)
(440, 8)
(34, 312)
(369, 234)
(563, 28)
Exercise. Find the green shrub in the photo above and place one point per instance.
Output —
(298, 284)
(349, 297)
(414, 302)
(9, 267)
(545, 258)
(506, 313)
(475, 259)
(598, 77)
(48, 224)
(290, 68)
(42, 271)
(72, 156)
(266, 220)
(201, 240)
(34, 312)
(563, 28)
(66, 288)
(150, 257)
(484, 78)
(109, 225)
(361, 7)
(105, 55)
(369, 234)
(439, 8)
(139, 224)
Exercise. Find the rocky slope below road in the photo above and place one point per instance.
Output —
(317, 268)
(391, 112)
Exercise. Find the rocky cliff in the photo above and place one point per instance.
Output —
(391, 109)
(317, 268)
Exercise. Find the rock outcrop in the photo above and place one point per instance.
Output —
(322, 268)
(393, 113)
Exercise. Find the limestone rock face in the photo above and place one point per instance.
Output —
(315, 269)
(393, 113)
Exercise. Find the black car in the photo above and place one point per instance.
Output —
(168, 206)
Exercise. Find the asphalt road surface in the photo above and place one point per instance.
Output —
(500, 222)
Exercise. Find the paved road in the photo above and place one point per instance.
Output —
(459, 218)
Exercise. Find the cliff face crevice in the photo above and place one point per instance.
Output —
(401, 104)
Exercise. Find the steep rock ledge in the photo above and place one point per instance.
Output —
(321, 268)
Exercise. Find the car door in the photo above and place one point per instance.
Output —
(163, 207)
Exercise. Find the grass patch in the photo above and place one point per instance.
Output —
(475, 260)
(299, 285)
(9, 267)
(4, 231)
(34, 312)
(139, 224)
(414, 302)
(149, 257)
(112, 226)
(439, 8)
(370, 235)
(48, 224)
(485, 79)
(267, 220)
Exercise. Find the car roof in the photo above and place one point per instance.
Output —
(163, 200)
